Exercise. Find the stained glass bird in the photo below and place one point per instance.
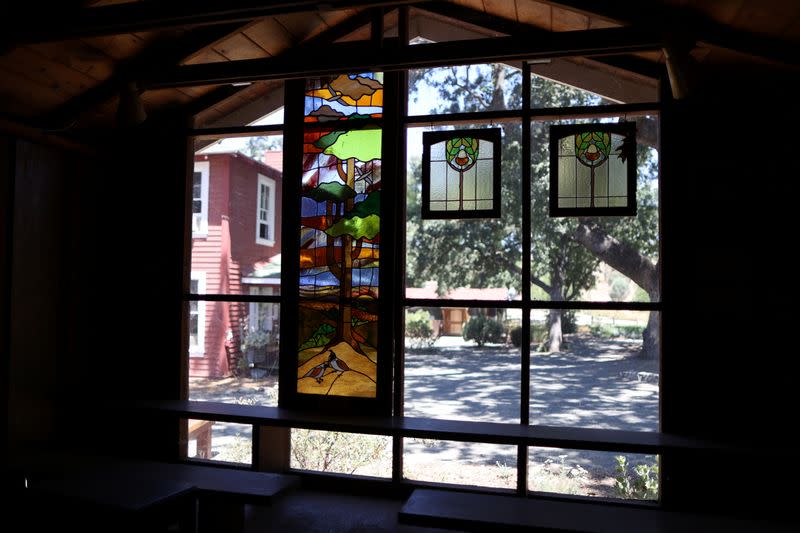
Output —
(337, 364)
(318, 372)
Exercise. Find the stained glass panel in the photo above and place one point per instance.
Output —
(340, 236)
(593, 169)
(460, 174)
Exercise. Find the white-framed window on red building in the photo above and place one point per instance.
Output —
(265, 211)
(200, 199)
(197, 316)
(262, 315)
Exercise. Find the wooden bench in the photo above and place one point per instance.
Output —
(201, 430)
(482, 512)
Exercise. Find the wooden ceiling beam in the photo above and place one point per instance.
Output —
(685, 24)
(355, 57)
(145, 16)
(159, 55)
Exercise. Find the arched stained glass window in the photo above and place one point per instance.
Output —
(593, 169)
(461, 174)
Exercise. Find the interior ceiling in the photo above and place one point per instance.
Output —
(73, 84)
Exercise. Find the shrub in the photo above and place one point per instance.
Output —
(604, 331)
(538, 333)
(332, 451)
(630, 332)
(418, 329)
(619, 289)
(483, 329)
(642, 484)
(568, 322)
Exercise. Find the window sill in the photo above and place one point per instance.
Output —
(265, 243)
(466, 431)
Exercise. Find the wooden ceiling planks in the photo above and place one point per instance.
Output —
(567, 20)
(502, 8)
(766, 17)
(270, 35)
(78, 56)
(63, 80)
(239, 46)
(118, 47)
(205, 55)
(535, 13)
(301, 26)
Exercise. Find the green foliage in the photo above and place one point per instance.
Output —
(619, 289)
(483, 329)
(332, 451)
(331, 191)
(640, 295)
(568, 322)
(364, 145)
(356, 227)
(418, 329)
(256, 338)
(641, 484)
(609, 331)
(538, 333)
(321, 337)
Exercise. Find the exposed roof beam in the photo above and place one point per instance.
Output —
(143, 16)
(685, 23)
(160, 55)
(518, 29)
(325, 38)
(355, 57)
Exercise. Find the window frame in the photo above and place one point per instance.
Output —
(204, 168)
(265, 182)
(198, 350)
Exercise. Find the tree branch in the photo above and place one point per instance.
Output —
(618, 255)
(541, 284)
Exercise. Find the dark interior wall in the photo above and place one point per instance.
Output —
(728, 232)
(38, 268)
(7, 164)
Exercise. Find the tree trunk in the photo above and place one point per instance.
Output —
(631, 263)
(346, 280)
(554, 336)
(651, 337)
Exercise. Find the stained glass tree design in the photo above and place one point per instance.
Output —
(340, 237)
(593, 169)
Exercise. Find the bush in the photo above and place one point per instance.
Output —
(604, 331)
(332, 451)
(619, 289)
(418, 329)
(538, 334)
(630, 332)
(607, 331)
(568, 322)
(483, 329)
(642, 484)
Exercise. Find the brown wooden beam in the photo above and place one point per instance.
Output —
(687, 24)
(159, 55)
(145, 16)
(355, 57)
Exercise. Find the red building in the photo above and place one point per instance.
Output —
(236, 247)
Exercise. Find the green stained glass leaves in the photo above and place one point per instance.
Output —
(461, 174)
(593, 169)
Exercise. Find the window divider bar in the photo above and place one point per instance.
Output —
(548, 113)
(525, 346)
(208, 134)
(274, 298)
(533, 304)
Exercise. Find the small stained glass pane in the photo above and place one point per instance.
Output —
(458, 168)
(593, 169)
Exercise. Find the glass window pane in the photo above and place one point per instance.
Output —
(576, 81)
(255, 104)
(604, 372)
(236, 361)
(341, 453)
(462, 463)
(219, 441)
(566, 264)
(229, 253)
(466, 88)
(459, 366)
(629, 476)
(470, 259)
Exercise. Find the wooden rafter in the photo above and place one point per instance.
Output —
(144, 16)
(685, 24)
(350, 57)
(159, 55)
